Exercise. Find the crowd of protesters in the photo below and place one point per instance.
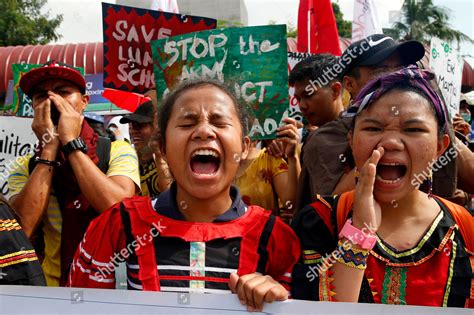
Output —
(368, 202)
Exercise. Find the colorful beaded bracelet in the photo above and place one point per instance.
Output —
(353, 257)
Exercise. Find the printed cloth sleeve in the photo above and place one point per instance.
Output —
(124, 162)
(278, 165)
(100, 252)
(18, 175)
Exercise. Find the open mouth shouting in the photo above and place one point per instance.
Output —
(390, 173)
(205, 162)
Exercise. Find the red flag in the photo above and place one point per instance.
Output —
(317, 30)
(123, 99)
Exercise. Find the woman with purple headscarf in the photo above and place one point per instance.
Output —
(390, 240)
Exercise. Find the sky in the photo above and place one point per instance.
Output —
(83, 18)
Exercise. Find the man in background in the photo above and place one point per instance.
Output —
(73, 176)
(154, 173)
(320, 99)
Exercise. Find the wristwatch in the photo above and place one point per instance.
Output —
(366, 240)
(76, 144)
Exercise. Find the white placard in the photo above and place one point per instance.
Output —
(16, 139)
(293, 59)
(447, 64)
(49, 300)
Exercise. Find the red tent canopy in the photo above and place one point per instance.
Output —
(89, 56)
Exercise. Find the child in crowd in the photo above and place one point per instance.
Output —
(198, 236)
(388, 241)
(269, 181)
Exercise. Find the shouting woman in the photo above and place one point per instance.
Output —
(388, 241)
(198, 236)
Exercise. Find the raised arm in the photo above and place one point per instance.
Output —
(100, 190)
(367, 212)
(286, 184)
(164, 175)
(30, 192)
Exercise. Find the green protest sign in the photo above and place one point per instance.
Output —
(253, 60)
(21, 105)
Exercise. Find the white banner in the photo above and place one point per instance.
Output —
(16, 139)
(446, 62)
(49, 300)
(365, 20)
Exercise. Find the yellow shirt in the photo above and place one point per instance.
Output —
(256, 183)
(123, 161)
(149, 179)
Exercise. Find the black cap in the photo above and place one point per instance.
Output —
(143, 114)
(374, 49)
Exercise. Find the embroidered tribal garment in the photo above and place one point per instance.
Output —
(394, 285)
(190, 266)
(438, 271)
(182, 256)
(18, 262)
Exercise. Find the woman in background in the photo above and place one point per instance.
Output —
(268, 181)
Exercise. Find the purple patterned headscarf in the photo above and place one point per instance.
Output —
(410, 76)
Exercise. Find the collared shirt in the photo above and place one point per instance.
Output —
(165, 204)
(123, 162)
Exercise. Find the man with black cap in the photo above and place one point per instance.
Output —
(73, 175)
(374, 56)
(154, 173)
(327, 155)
